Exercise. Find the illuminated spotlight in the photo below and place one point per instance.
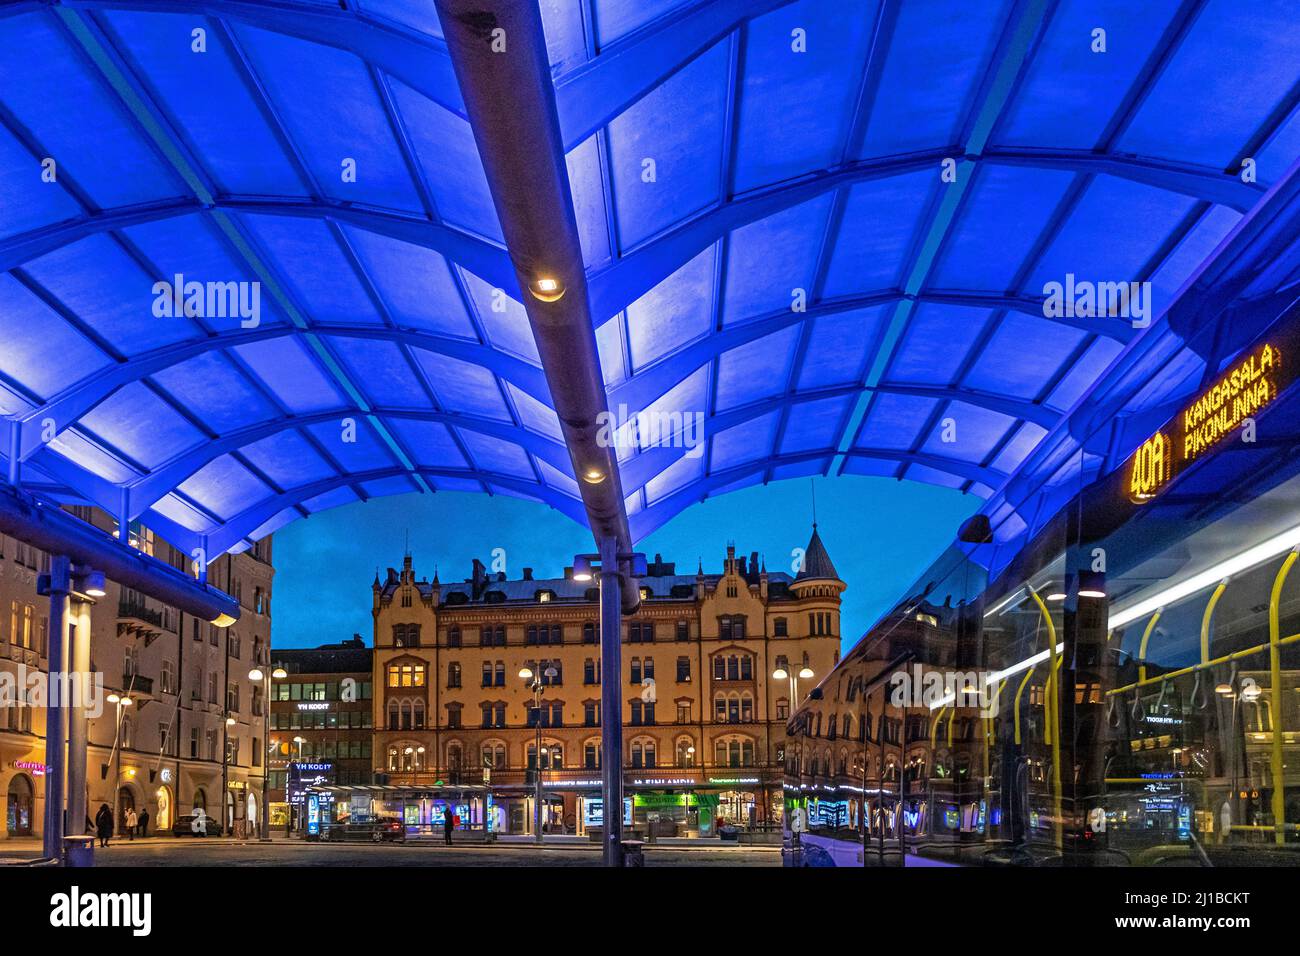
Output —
(1090, 593)
(582, 568)
(593, 476)
(94, 585)
(546, 288)
(1224, 689)
(1057, 596)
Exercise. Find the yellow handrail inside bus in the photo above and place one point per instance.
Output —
(1215, 662)
(934, 726)
(1275, 698)
(1206, 618)
(1053, 718)
(1019, 692)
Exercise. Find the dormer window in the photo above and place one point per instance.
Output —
(545, 597)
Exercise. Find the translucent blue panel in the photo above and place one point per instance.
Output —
(444, 146)
(362, 451)
(800, 469)
(673, 313)
(894, 421)
(288, 459)
(176, 509)
(757, 370)
(813, 425)
(1023, 356)
(674, 477)
(586, 180)
(141, 425)
(1180, 264)
(11, 403)
(382, 372)
(1273, 160)
(312, 264)
(503, 318)
(463, 387)
(1085, 370)
(283, 518)
(211, 388)
(936, 57)
(880, 220)
(975, 431)
(96, 280)
(63, 101)
(1116, 227)
(193, 248)
(566, 33)
(933, 476)
(609, 342)
(1007, 209)
(497, 456)
(936, 343)
(429, 443)
(534, 415)
(451, 483)
(39, 347)
(1021, 443)
(418, 15)
(396, 485)
(767, 260)
(26, 203)
(557, 479)
(877, 467)
(75, 448)
(291, 375)
(206, 95)
(678, 126)
(617, 18)
(225, 487)
(840, 346)
(1070, 93)
(1234, 94)
(743, 443)
(803, 100)
(311, 86)
(1181, 376)
(414, 283)
(687, 397)
(633, 503)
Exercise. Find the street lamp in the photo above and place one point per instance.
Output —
(805, 673)
(538, 688)
(120, 701)
(257, 674)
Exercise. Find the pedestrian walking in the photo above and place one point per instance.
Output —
(144, 822)
(104, 824)
(132, 822)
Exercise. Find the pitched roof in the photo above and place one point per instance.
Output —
(816, 562)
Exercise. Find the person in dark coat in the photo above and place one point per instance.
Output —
(447, 823)
(104, 824)
(143, 820)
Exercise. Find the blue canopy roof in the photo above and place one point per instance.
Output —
(825, 227)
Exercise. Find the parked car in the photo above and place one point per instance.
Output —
(375, 831)
(184, 826)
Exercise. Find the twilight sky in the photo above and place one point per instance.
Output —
(880, 533)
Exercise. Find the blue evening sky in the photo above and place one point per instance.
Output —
(880, 533)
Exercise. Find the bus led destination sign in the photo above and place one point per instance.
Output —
(1252, 383)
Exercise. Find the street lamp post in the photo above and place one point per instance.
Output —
(119, 701)
(805, 673)
(257, 674)
(538, 688)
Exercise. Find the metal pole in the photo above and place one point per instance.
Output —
(266, 757)
(117, 759)
(611, 702)
(56, 736)
(537, 760)
(78, 725)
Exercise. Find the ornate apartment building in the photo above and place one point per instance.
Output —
(196, 726)
(704, 718)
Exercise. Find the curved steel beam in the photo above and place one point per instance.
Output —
(171, 474)
(640, 269)
(71, 404)
(246, 522)
(960, 469)
(485, 259)
(1011, 407)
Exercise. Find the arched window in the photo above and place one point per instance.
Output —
(643, 753)
(591, 755)
(455, 757)
(552, 755)
(494, 755)
(393, 718)
(734, 752)
(685, 752)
